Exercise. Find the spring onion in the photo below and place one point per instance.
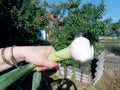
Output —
(80, 50)
(11, 76)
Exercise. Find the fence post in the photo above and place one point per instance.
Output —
(81, 77)
(97, 67)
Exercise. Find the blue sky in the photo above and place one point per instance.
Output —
(112, 7)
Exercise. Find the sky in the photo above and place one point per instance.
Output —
(112, 7)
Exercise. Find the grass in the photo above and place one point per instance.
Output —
(109, 81)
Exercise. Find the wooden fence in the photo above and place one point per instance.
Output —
(112, 62)
(83, 77)
(110, 45)
(77, 74)
(103, 62)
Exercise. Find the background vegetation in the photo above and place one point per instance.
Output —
(19, 20)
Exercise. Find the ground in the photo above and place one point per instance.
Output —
(109, 81)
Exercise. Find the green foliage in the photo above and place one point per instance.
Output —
(115, 26)
(77, 19)
(19, 20)
(85, 19)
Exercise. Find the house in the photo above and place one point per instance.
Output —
(46, 34)
(51, 24)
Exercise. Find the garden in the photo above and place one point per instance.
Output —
(62, 23)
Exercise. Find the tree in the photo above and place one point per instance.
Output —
(77, 19)
(19, 19)
(115, 26)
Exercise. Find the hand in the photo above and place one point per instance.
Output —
(38, 55)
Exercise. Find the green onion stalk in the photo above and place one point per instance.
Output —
(80, 50)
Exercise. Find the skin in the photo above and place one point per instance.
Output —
(37, 55)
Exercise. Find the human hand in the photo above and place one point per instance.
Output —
(38, 55)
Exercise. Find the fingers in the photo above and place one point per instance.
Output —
(41, 69)
(48, 65)
(45, 68)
